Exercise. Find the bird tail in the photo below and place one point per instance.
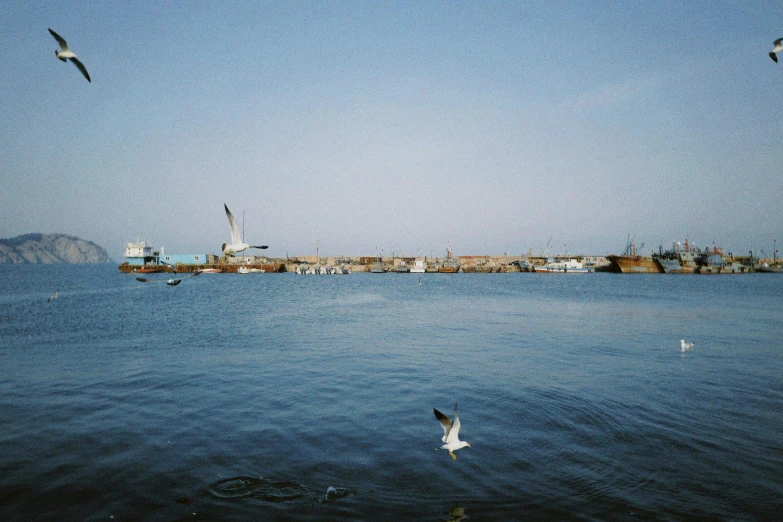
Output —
(64, 60)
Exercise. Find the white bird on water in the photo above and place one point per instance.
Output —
(66, 54)
(778, 47)
(450, 432)
(685, 346)
(237, 245)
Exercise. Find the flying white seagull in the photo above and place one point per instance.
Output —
(53, 296)
(685, 346)
(65, 54)
(450, 432)
(778, 47)
(236, 240)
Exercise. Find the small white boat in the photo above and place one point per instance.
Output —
(243, 270)
(418, 267)
(570, 266)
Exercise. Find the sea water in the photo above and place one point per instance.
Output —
(283, 396)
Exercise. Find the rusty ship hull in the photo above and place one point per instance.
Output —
(634, 264)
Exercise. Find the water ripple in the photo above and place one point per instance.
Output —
(275, 491)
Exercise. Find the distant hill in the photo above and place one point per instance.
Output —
(50, 248)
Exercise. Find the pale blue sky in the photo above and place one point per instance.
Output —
(394, 125)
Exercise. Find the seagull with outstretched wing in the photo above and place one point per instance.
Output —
(451, 432)
(775, 50)
(66, 54)
(237, 245)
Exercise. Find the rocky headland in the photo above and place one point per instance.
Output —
(50, 248)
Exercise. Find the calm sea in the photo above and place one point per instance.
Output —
(282, 396)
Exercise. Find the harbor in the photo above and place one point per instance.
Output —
(681, 258)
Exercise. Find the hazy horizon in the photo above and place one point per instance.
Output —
(402, 126)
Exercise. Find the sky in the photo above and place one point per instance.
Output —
(358, 127)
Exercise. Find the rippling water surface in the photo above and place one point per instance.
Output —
(277, 396)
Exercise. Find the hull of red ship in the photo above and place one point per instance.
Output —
(634, 265)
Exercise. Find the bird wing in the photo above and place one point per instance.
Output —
(445, 422)
(235, 237)
(63, 43)
(776, 42)
(262, 247)
(80, 65)
(454, 432)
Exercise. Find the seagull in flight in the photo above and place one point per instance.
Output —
(236, 240)
(53, 296)
(450, 432)
(685, 346)
(65, 54)
(778, 47)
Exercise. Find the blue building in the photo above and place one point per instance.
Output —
(139, 254)
(184, 259)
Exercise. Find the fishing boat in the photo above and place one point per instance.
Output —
(716, 263)
(569, 266)
(449, 265)
(377, 267)
(681, 259)
(418, 267)
(769, 269)
(630, 262)
(432, 268)
(525, 265)
(775, 267)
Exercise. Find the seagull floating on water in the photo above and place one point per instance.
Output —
(66, 54)
(236, 239)
(451, 432)
(685, 346)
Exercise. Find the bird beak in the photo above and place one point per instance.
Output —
(470, 446)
